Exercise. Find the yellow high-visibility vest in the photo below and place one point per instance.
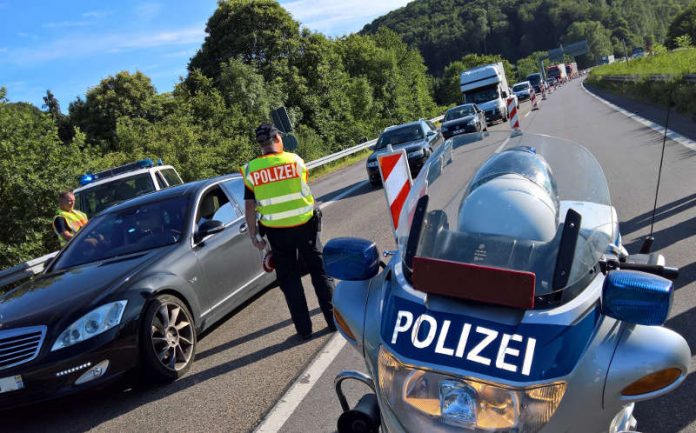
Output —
(75, 219)
(279, 182)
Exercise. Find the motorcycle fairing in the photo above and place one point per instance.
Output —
(525, 352)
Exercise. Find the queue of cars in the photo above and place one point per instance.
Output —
(134, 288)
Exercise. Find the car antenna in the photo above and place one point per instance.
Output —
(648, 241)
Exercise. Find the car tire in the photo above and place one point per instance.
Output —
(167, 339)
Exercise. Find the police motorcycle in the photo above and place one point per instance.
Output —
(510, 304)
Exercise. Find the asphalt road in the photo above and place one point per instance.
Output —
(245, 365)
(629, 154)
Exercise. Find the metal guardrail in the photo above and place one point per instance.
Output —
(25, 270)
(689, 78)
(350, 151)
(36, 266)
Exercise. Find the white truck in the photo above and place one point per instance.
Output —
(487, 87)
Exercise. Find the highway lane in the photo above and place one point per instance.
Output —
(629, 154)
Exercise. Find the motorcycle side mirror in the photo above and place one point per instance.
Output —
(637, 297)
(351, 259)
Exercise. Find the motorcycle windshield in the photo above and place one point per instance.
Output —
(537, 204)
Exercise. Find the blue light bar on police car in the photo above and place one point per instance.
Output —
(87, 178)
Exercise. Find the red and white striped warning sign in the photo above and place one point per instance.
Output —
(396, 178)
(512, 113)
(535, 103)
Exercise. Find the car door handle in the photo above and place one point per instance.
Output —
(243, 228)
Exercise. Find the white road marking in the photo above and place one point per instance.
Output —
(674, 136)
(341, 195)
(502, 145)
(304, 383)
(527, 113)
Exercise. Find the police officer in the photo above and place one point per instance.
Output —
(278, 194)
(68, 220)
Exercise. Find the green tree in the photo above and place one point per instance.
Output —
(683, 24)
(259, 32)
(34, 166)
(124, 94)
(598, 40)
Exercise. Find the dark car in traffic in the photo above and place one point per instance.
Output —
(418, 138)
(134, 288)
(537, 82)
(463, 119)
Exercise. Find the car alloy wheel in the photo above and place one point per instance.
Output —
(169, 343)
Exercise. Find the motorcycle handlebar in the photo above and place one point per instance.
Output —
(663, 271)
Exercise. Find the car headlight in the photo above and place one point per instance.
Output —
(472, 122)
(467, 404)
(415, 154)
(95, 322)
(372, 164)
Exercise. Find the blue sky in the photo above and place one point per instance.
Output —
(69, 45)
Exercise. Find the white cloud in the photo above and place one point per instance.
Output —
(90, 45)
(66, 24)
(339, 17)
(148, 11)
(96, 14)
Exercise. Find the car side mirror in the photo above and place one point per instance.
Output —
(505, 94)
(351, 259)
(430, 133)
(208, 228)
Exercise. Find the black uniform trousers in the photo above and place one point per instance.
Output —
(286, 243)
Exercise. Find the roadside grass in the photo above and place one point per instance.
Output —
(673, 89)
(677, 62)
(316, 173)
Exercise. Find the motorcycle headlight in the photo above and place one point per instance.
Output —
(95, 322)
(464, 403)
(415, 154)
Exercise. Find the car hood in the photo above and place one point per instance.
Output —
(409, 147)
(521, 92)
(458, 121)
(52, 297)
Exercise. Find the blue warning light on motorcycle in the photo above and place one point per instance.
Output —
(637, 297)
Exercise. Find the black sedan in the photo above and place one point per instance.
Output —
(419, 138)
(134, 288)
(463, 119)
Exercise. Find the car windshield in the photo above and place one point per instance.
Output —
(404, 134)
(99, 197)
(480, 96)
(520, 87)
(512, 212)
(457, 112)
(128, 231)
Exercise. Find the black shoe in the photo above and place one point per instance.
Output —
(305, 337)
(332, 327)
